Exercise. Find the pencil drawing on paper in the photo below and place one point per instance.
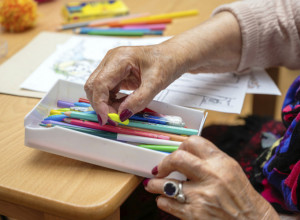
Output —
(72, 64)
(193, 99)
(253, 82)
(75, 65)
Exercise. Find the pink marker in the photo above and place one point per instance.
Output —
(114, 129)
(153, 27)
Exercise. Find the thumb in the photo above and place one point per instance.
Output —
(137, 101)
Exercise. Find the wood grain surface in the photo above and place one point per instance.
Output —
(39, 185)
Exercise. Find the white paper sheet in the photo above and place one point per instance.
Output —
(76, 59)
(222, 92)
(261, 83)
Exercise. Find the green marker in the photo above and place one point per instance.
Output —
(111, 32)
(164, 148)
(82, 115)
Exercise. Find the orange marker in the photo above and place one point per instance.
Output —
(146, 21)
(173, 137)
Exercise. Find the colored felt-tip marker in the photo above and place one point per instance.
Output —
(146, 140)
(57, 123)
(168, 119)
(81, 109)
(163, 148)
(60, 117)
(114, 129)
(153, 27)
(138, 124)
(82, 115)
(118, 30)
(173, 137)
(111, 32)
(103, 134)
(83, 100)
(64, 104)
(55, 112)
(82, 104)
(116, 136)
(164, 128)
(141, 22)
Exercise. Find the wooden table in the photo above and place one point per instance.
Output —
(39, 185)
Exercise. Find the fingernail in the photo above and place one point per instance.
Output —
(125, 114)
(145, 182)
(111, 122)
(154, 170)
(99, 119)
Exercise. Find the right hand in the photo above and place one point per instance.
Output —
(145, 69)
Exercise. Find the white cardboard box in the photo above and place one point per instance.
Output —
(96, 150)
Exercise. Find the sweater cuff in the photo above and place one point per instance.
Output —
(249, 30)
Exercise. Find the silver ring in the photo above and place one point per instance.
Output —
(174, 190)
(180, 196)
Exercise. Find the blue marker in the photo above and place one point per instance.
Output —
(56, 117)
(166, 120)
(153, 119)
(82, 104)
(90, 112)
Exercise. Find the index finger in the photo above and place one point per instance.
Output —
(102, 81)
(200, 147)
(193, 167)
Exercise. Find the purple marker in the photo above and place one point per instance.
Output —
(64, 104)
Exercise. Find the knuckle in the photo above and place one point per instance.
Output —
(97, 81)
(210, 196)
(177, 157)
(193, 140)
(87, 87)
(168, 207)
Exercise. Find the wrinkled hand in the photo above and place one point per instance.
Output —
(145, 69)
(217, 187)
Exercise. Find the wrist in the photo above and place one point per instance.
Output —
(213, 46)
(263, 209)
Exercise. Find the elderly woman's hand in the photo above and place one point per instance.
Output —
(145, 69)
(217, 187)
(213, 46)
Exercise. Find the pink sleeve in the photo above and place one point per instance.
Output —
(270, 32)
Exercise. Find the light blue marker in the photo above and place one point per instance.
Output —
(56, 117)
(82, 104)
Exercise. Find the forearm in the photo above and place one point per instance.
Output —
(213, 46)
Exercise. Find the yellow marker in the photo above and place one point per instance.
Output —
(63, 109)
(162, 16)
(115, 117)
(55, 112)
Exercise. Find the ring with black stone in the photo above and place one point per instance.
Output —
(174, 190)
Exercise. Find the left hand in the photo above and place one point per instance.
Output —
(217, 187)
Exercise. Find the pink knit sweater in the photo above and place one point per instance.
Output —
(270, 32)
